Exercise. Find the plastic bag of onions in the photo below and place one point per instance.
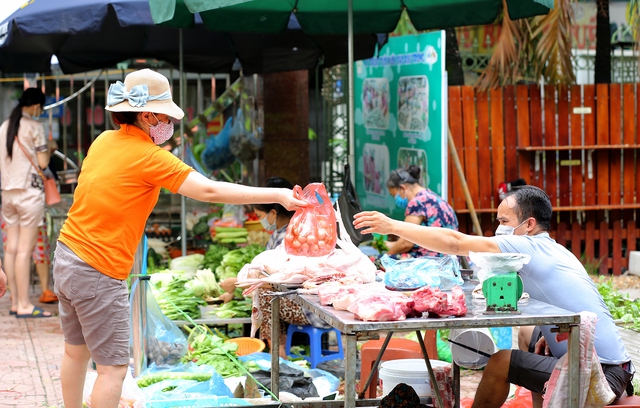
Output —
(312, 229)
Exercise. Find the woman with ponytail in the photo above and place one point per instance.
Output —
(23, 142)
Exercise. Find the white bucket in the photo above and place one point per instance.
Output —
(410, 371)
(473, 347)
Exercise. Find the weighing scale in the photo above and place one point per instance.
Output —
(502, 293)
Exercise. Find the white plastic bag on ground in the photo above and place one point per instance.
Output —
(131, 397)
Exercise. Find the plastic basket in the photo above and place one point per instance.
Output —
(198, 402)
(253, 226)
(247, 345)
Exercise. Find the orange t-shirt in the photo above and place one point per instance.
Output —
(117, 189)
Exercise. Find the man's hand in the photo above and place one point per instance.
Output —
(374, 222)
(542, 348)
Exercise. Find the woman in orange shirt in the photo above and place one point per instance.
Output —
(117, 188)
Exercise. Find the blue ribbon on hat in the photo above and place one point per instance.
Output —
(137, 97)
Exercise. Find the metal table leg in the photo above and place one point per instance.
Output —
(456, 384)
(374, 369)
(275, 346)
(435, 391)
(350, 372)
(573, 353)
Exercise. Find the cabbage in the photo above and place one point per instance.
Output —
(189, 264)
(196, 286)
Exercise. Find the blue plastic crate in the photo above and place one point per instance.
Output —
(198, 403)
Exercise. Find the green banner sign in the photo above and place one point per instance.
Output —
(401, 117)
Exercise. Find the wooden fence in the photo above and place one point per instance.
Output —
(578, 143)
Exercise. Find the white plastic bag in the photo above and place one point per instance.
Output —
(497, 263)
(131, 397)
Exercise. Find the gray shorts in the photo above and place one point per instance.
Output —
(94, 308)
(532, 371)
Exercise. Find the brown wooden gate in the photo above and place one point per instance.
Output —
(578, 143)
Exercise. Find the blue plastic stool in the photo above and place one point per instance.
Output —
(317, 354)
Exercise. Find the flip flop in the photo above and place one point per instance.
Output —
(48, 297)
(37, 313)
(12, 313)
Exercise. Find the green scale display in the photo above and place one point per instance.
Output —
(502, 292)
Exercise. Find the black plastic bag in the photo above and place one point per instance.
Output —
(290, 380)
(349, 206)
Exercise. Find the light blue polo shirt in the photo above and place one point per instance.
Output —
(555, 276)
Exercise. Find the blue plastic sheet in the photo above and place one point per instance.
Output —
(415, 273)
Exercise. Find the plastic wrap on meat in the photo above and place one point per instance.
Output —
(432, 300)
(377, 308)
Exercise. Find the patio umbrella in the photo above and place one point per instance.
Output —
(331, 16)
(338, 17)
(95, 34)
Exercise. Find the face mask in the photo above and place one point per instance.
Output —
(507, 230)
(266, 225)
(401, 202)
(161, 132)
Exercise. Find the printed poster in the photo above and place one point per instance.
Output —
(401, 117)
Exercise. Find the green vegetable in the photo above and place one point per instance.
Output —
(230, 229)
(232, 240)
(188, 263)
(621, 306)
(234, 308)
(234, 260)
(207, 348)
(177, 293)
(231, 234)
(213, 256)
(208, 279)
(147, 380)
(201, 228)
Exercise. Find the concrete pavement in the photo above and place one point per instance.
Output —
(31, 355)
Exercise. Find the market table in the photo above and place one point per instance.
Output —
(532, 313)
(215, 321)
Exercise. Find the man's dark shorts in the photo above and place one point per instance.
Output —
(532, 371)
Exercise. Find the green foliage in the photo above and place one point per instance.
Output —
(622, 308)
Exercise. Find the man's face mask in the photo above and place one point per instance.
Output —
(508, 230)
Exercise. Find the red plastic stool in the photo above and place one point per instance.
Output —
(397, 349)
(633, 401)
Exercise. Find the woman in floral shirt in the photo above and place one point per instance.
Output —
(422, 206)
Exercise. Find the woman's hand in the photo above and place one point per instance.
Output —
(290, 201)
(374, 221)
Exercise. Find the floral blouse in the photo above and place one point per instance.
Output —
(435, 212)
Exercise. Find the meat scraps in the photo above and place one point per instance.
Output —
(377, 308)
(432, 300)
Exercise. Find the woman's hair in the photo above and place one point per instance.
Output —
(276, 182)
(30, 96)
(124, 118)
(401, 176)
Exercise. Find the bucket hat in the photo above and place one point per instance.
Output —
(143, 91)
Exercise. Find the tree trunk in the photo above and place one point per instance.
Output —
(603, 43)
(453, 61)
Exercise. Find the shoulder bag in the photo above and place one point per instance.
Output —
(51, 193)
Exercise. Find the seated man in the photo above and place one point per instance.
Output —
(554, 275)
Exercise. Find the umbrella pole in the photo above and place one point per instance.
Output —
(351, 111)
(183, 199)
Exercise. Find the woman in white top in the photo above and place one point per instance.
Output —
(23, 145)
